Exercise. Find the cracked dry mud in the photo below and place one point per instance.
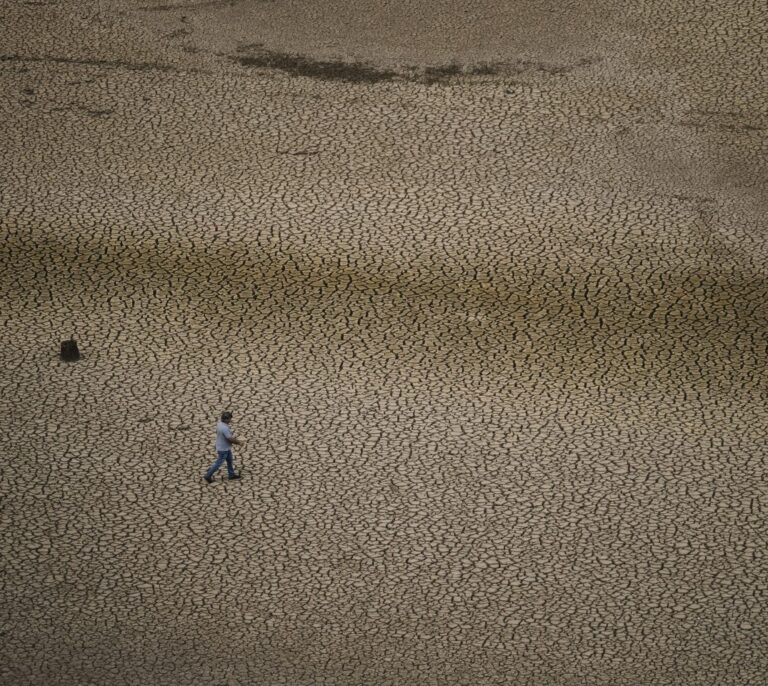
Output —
(485, 288)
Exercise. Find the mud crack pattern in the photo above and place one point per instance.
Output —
(492, 324)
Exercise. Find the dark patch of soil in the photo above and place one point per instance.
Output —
(486, 69)
(188, 6)
(297, 65)
(254, 55)
(438, 74)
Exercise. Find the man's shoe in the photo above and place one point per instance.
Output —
(208, 479)
(235, 476)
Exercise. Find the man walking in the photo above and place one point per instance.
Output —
(225, 439)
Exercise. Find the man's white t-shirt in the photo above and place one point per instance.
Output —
(223, 436)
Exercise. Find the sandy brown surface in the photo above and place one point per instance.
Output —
(485, 288)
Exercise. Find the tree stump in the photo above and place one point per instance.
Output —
(69, 351)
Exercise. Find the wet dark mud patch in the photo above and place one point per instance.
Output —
(208, 4)
(438, 74)
(521, 67)
(298, 65)
(255, 55)
(486, 69)
(355, 72)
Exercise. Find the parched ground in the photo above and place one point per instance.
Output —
(485, 288)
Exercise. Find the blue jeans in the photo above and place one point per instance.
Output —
(223, 455)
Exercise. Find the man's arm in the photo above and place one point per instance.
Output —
(230, 436)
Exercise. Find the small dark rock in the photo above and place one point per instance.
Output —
(69, 351)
